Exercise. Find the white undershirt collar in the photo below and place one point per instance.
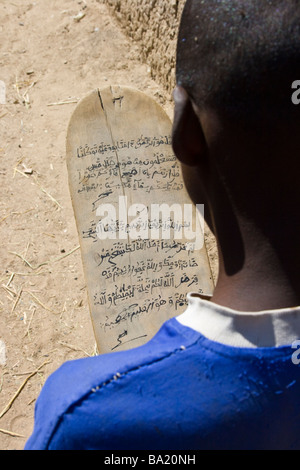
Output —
(272, 328)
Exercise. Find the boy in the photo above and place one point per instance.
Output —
(224, 374)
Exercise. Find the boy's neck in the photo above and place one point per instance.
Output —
(252, 295)
(266, 279)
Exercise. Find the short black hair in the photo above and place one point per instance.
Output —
(240, 56)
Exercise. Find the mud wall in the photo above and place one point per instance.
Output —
(153, 26)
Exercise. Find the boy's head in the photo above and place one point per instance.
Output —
(235, 127)
(239, 56)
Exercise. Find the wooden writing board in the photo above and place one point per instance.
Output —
(138, 266)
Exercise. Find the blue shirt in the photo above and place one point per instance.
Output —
(180, 391)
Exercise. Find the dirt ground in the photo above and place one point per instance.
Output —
(49, 59)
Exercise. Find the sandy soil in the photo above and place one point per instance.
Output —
(47, 58)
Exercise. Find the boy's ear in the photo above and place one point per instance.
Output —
(187, 135)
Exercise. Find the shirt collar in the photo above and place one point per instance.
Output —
(273, 328)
